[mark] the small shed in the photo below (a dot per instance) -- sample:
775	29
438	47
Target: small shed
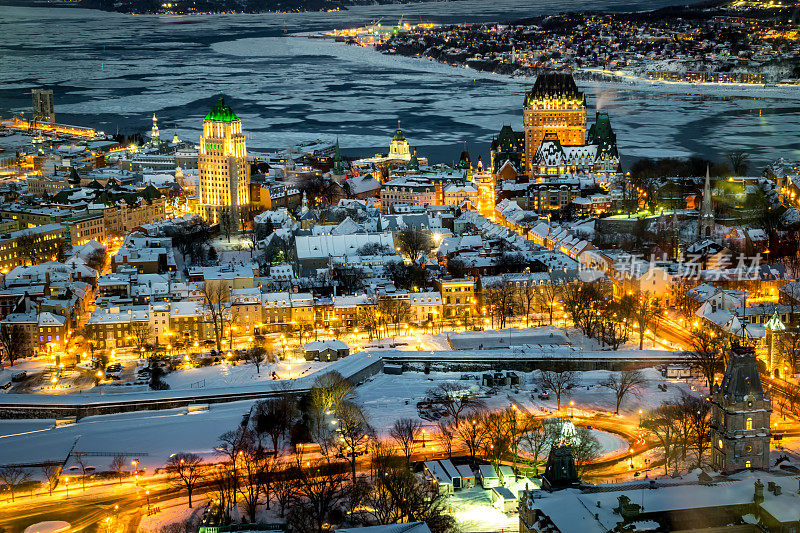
504	499
436	473
331	350
489	477
467	476
506	474
451	472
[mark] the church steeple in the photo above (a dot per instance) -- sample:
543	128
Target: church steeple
706	220
155	136
338	166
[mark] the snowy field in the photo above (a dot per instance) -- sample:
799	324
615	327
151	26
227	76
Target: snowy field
155	433
226	375
385	397
388	398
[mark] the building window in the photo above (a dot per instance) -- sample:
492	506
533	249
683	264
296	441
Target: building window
719	444
747	464
749	423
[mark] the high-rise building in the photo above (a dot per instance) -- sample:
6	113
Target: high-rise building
740	416
224	172
43	105
553	105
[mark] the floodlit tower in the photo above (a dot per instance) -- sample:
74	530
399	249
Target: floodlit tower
224	172
554	105
740	416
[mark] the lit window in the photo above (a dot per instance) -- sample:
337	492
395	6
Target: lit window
749	423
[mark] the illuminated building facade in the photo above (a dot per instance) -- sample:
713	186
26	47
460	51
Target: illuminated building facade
486	193
553	105
43	105
740	416
224	172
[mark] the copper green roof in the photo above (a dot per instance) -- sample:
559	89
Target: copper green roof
398	136
221	112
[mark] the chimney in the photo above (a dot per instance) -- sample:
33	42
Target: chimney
758	494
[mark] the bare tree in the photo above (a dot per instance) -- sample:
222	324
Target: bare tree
256	467
645	310
790	344
223	486
186	470
526	296
471	431
321	491
698	413
500	298
394	311
661	423
214	298
81	460
12	477
353	430
536	440
14	341
142	333
397	495
51	474
227	223
255	356
414	243
547	296
558	380
284	486
622	383
496	438
118	464
454	399
404	431
740	162
585	449
707	354
275	417
229	445
446	434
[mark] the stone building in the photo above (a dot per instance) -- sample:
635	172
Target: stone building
741	408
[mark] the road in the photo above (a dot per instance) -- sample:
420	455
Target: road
88	511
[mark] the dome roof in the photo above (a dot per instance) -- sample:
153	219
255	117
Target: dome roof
221	112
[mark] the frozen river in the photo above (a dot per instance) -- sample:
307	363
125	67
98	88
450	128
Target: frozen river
112	71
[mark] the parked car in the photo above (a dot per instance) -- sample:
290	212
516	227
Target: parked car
19	376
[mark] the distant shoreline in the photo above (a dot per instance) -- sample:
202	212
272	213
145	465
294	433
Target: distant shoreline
789	92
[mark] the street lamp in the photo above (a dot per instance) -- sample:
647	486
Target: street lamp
423	438
571	408
147	494
66	484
